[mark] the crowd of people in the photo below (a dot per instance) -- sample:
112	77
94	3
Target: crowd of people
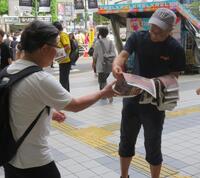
156	53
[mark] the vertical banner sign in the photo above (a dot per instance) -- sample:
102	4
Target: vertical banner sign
91	36
79	6
92	4
44	6
25	5
61	9
68	11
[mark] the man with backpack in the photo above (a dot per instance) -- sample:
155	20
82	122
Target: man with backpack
27	94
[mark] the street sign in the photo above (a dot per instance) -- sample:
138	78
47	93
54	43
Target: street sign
26	20
11	20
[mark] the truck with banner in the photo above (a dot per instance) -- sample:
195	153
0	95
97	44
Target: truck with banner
134	15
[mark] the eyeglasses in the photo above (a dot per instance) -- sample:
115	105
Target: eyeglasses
158	33
161	34
53	45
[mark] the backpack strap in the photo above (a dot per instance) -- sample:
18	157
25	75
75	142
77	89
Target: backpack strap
13	78
104	48
21	139
102	45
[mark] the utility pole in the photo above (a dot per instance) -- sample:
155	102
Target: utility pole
85	10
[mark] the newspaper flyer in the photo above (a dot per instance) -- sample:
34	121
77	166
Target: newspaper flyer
170	82
60	54
130	84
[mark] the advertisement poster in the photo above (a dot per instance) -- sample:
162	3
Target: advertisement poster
44	6
61	8
78	4
138	24
92	4
25	5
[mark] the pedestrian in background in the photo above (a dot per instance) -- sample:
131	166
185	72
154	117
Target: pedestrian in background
5	57
100	64
65	63
31	95
157	53
7	39
74	54
12	46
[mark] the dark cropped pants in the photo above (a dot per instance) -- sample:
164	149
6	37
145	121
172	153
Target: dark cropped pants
134	116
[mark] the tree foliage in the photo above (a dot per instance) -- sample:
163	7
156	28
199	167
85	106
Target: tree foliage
3	7
195	9
99	19
34	7
53	8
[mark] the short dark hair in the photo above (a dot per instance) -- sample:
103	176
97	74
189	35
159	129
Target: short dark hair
2	32
58	25
103	32
36	34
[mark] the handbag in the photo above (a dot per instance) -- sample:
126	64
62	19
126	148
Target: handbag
91	51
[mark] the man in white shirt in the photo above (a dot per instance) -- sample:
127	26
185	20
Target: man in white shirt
29	96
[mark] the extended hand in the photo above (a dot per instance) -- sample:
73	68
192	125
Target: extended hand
107	91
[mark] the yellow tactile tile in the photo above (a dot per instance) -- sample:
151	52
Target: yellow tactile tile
183	111
179	176
96	138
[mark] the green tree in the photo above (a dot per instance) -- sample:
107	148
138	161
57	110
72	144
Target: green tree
195	9
99	19
3	7
54	12
34	7
78	18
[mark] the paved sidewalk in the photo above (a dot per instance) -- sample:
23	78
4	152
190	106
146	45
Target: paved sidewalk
86	144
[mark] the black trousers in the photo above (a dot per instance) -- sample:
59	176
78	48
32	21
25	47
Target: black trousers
135	115
47	171
64	75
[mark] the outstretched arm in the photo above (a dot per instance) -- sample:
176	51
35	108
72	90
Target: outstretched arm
81	103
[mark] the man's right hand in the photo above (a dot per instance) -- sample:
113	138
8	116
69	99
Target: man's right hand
118	64
117	71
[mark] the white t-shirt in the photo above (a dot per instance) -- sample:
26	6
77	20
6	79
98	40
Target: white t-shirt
28	97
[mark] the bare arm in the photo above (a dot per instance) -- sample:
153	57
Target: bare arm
81	103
